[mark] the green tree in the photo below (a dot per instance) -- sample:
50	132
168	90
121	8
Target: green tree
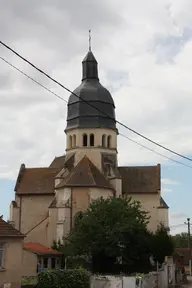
162	244
113	234
181	240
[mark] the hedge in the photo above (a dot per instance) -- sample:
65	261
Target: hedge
69	278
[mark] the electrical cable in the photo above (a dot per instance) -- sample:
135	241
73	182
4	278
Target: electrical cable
37	82
162	155
58	96
67	89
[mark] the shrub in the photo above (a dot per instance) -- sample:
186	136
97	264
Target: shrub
69	278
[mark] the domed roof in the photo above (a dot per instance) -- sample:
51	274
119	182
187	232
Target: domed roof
89	94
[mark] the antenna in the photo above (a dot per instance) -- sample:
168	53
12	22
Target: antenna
89	40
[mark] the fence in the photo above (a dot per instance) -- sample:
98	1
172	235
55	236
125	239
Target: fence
162	279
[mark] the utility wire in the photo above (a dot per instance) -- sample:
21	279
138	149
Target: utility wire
37	82
162	155
67	89
176	225
61	98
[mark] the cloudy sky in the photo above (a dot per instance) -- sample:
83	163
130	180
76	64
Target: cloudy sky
144	54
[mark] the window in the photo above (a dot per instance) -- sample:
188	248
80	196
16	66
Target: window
74	141
53	263
109	141
70	141
45	263
1	255
103	140
108	168
91	140
84	140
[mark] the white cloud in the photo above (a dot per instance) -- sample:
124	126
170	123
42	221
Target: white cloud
164	190
144	59
167	181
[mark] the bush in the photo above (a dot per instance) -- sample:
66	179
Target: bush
69	278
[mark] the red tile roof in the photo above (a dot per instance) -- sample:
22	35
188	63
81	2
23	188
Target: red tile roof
7	230
39	249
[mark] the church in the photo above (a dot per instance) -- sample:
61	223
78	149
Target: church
48	199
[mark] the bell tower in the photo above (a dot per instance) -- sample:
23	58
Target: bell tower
91	125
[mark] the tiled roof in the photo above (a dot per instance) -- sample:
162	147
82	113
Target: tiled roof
65	161
85	174
58	162
163	204
185	253
36	181
53	203
39	249
140	179
7	230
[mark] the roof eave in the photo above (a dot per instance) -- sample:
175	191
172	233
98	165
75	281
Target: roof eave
86	186
12	236
37	193
43	254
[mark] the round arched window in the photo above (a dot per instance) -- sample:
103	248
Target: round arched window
84	140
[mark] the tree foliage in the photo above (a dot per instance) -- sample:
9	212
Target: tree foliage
110	232
162	244
112	235
75	278
181	240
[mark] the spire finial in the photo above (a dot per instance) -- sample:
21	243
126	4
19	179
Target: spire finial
89	40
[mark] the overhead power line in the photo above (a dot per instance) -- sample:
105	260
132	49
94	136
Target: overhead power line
162	155
88	103
29	77
61	98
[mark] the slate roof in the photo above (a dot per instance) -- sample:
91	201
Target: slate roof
85	174
89	94
7	230
39	249
140	179
36	181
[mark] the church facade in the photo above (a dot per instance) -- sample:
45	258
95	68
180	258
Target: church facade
48	199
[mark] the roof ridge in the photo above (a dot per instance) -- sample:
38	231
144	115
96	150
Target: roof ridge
42	168
85	174
74	169
70	174
89	167
138	166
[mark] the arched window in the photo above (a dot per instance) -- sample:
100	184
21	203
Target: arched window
103	140
109	141
84	140
70	141
91	139
74	140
